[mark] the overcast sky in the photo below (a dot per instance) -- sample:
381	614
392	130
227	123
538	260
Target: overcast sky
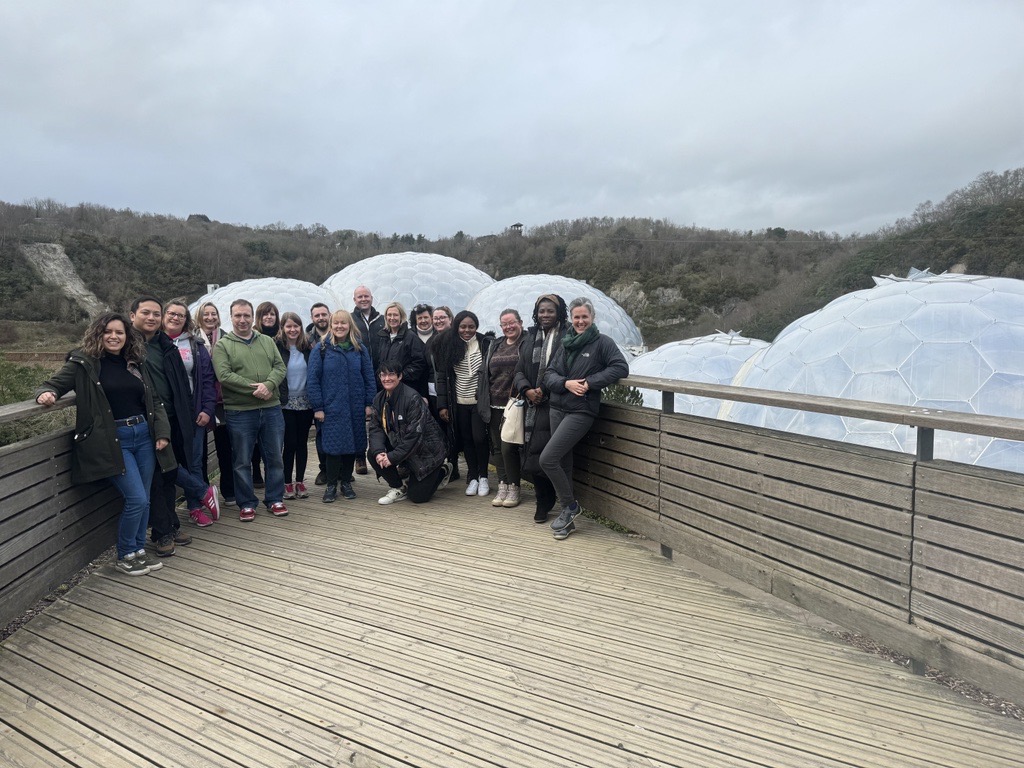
434	117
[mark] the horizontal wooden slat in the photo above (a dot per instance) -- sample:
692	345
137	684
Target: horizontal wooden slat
996	548
984	486
849	531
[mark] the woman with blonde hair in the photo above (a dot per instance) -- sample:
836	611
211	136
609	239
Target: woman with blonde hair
341	386
208	328
584	363
398	345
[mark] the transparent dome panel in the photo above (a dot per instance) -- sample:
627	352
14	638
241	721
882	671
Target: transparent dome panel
288	295
411	278
945	372
521	292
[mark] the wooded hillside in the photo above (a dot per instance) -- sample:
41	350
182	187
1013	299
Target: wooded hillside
676	281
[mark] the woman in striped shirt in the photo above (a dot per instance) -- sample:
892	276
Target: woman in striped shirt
459	354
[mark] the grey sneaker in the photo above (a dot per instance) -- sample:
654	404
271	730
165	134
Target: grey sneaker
143	557
129	565
501	495
565	518
563	533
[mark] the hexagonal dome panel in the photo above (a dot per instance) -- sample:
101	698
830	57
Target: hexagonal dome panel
288	295
410	278
713	359
521	292
947	341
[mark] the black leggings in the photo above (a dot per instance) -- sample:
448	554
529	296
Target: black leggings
338	468
472	433
296	438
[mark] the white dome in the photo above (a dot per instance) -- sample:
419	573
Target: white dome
952	342
288	295
713	359
521	292
410	278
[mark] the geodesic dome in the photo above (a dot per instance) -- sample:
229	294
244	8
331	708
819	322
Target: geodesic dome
953	342
410	278
713	359
521	292
288	295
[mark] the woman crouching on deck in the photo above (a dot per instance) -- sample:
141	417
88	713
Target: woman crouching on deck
405	439
120	430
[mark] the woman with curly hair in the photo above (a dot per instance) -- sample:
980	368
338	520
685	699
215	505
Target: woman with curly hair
550	319
459	355
121	430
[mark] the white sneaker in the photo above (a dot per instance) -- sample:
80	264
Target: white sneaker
483	489
448	468
471	489
395	494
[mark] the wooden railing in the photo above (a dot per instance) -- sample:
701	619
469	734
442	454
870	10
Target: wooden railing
49	528
925	556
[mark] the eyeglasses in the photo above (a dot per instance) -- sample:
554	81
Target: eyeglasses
506	326
175	315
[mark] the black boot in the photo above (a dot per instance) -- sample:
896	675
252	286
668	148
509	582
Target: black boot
331	493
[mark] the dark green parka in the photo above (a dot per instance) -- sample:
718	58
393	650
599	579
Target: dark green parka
96	453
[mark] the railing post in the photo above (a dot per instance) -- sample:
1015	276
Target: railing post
925	443
668	402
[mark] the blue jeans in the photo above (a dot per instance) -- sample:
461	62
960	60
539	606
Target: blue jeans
190	479
139	462
263	426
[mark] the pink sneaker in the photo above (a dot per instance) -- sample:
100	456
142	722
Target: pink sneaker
289	491
278	509
199	517
247	514
300	491
212	503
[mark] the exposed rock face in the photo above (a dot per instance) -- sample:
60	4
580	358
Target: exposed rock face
55	268
630	297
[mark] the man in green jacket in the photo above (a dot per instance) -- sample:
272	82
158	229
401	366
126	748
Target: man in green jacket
250	371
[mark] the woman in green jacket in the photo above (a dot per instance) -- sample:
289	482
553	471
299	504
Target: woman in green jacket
120	430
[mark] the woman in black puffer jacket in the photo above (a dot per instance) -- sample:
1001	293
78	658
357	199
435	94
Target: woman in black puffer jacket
585	363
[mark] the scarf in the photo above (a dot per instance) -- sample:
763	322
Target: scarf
575	342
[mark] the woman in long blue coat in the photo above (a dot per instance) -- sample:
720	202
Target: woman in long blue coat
340	386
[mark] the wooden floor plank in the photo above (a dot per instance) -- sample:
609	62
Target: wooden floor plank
455	634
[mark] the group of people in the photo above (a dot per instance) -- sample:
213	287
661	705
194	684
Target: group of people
400	394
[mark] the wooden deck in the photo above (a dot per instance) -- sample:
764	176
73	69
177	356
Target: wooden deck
454	634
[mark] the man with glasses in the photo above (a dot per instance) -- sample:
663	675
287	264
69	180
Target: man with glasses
250	370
